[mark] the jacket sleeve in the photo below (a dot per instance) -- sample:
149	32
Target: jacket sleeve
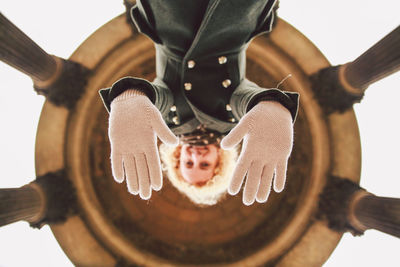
158	93
143	19
267	19
248	94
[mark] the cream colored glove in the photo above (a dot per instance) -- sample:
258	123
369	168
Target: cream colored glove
134	125
267	133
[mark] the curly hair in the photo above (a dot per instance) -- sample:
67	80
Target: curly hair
206	194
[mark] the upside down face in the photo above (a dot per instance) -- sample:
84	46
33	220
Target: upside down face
198	163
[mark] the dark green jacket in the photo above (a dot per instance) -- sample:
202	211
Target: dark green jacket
201	61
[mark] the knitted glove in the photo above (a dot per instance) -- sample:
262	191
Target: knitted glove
134	125
267	133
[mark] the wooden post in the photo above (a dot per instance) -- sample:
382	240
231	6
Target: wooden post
51	198
20	52
24	203
379	61
368	211
348	207
337	88
61	81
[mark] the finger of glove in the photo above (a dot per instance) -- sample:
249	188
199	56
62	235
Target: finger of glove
162	130
252	183
131	174
280	177
235	135
154	165
117	168
239	173
143	176
265	184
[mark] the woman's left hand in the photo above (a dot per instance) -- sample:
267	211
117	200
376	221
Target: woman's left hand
267	133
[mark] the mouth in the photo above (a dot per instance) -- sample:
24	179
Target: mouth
198	149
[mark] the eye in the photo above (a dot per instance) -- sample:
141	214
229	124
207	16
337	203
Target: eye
204	164
189	163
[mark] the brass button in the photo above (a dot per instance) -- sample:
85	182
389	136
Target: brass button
175	120
188	86
173	108
191	64
232	120
222	60
228	107
226	83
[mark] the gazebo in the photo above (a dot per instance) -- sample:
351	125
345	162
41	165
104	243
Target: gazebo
98	223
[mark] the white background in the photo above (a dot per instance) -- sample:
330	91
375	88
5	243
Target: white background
341	29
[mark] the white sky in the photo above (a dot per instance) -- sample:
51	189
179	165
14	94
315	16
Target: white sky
341	29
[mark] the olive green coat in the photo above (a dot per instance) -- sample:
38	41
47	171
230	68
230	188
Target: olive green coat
201	61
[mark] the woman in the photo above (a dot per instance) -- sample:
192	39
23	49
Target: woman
200	66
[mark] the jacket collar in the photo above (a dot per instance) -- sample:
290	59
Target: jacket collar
203	29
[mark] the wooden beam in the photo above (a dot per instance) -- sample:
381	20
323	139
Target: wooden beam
379	61
368	211
24	203
20	52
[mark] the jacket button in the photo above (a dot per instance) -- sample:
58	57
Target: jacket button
188	86
228	107
173	108
232	119
222	60
226	83
191	64
175	120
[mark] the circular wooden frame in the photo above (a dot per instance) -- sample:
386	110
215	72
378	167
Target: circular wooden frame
90	238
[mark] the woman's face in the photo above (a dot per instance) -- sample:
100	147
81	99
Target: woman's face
197	163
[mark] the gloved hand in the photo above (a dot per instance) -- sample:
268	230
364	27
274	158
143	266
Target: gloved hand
134	125
267	131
